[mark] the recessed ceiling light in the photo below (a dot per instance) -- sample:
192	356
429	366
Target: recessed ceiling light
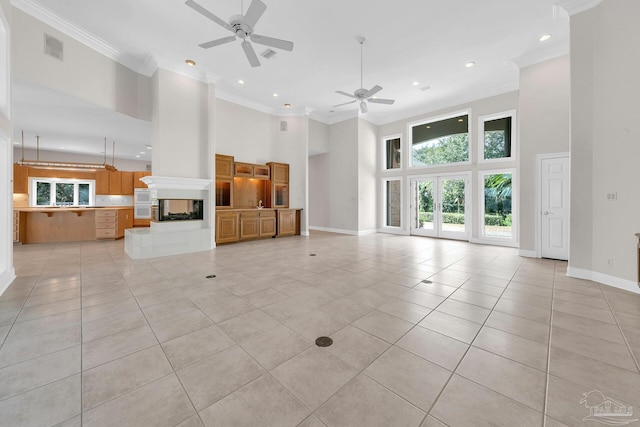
190	62
287	105
16	143
415	83
148	147
240	82
142	152
138	156
470	64
461	120
545	37
428	127
275	95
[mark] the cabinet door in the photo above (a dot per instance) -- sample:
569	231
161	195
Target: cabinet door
115	183
286	222
224	166
127	183
249	227
224	193
261	172
227	227
125	220
20	179
136	179
279	172
243	169
102	182
267	226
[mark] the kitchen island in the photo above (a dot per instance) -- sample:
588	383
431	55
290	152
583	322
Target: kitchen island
70	224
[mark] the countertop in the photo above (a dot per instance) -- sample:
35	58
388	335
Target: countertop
255	209
49	209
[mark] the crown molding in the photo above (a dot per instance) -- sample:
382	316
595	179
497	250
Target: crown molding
573	7
541	55
81	35
231	97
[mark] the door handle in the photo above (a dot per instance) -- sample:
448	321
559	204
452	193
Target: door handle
548	213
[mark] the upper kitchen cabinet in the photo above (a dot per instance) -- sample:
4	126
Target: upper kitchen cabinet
279	172
136	179
224	166
102	182
115	182
20	179
127	183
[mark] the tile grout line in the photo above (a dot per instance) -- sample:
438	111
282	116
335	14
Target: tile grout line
548	370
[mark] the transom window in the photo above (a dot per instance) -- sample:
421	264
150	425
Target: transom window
62	192
440	142
497	136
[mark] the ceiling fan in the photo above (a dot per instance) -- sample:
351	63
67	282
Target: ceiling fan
363	94
242	26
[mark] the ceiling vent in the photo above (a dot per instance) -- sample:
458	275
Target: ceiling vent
268	53
53	47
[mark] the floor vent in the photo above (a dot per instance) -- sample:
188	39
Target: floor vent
53	47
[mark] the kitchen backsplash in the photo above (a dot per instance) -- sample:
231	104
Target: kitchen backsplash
114	200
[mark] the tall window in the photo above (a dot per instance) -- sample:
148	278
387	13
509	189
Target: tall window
61	192
440	142
392	147
497	204
497	137
392	188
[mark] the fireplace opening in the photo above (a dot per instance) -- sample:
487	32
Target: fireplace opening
178	210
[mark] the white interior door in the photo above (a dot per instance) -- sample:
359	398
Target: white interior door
554	207
439	206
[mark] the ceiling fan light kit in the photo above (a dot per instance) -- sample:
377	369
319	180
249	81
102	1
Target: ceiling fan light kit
363	95
242	27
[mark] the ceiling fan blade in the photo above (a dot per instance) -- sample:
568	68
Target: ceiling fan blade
255	11
270	41
381	101
345	103
373	91
195	6
363	107
251	54
217	42
346	94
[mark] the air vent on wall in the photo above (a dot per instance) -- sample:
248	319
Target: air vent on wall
283	126
53	47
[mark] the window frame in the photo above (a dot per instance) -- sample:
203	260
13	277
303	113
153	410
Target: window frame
506	241
409	149
514	145
383	143
33	186
385	201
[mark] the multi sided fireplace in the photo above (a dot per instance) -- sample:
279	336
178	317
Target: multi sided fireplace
178	210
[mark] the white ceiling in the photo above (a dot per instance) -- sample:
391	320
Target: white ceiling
427	41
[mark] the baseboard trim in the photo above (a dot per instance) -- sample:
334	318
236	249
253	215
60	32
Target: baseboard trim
528	254
605	279
333	230
304	233
6	278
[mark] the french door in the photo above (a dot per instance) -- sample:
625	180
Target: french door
440	206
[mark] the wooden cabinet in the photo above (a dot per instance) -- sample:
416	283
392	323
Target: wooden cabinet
102	182
18	226
224	193
261	172
287	222
20	179
243	170
249	225
279	172
224	166
267	223
111	223
136	179
115	182
127	183
227	227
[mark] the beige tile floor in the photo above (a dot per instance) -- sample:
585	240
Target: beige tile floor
91	337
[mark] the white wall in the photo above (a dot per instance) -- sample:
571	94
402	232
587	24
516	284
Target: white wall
84	73
318	137
61	156
604	143
319	200
7	272
367	177
180	123
544	122
343	176
244	133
